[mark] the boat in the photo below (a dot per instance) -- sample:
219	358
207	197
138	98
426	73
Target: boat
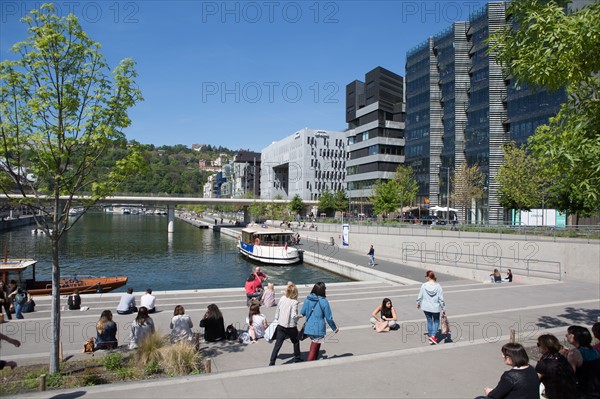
23	272
270	245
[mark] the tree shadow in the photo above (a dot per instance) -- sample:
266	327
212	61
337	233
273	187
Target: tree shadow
214	349
570	316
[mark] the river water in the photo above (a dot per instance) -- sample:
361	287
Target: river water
137	246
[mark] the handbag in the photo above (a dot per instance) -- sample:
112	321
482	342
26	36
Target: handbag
445	323
270	331
88	346
382	326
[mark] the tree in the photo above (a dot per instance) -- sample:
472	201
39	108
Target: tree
407	185
326	202
296	205
521	179
467	186
341	201
548	47
276	210
257	210
386	197
60	115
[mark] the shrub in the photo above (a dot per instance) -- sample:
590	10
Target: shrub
181	358
153	367
54	380
113	361
125	373
149	349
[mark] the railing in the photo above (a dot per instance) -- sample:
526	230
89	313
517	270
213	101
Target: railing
524	267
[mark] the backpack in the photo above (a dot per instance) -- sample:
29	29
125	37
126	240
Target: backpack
231	333
20	298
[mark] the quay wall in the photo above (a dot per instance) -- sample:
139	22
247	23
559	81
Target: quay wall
9	224
467	255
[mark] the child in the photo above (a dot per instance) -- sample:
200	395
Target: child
268	297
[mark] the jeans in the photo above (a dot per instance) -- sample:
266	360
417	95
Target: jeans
281	334
18	310
371	260
433	323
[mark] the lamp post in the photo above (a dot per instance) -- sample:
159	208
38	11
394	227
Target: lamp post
447	193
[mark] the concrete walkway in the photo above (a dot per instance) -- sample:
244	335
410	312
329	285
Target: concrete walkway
356	362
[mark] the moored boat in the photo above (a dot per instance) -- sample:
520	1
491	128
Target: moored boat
23	272
269	245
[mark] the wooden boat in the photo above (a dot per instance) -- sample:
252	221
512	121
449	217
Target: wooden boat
23	272
270	245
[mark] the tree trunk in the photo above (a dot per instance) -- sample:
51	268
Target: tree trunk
55	316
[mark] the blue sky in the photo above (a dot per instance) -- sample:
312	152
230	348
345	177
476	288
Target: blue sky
245	74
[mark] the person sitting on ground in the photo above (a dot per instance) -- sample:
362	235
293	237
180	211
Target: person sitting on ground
142	327
148	301
509	277
387	313
181	325
74	300
262	277
257	323
268	297
554	370
4	300
19	298
521	381
29	305
127	303
253	288
496	277
585	361
213	324
13	341
106	331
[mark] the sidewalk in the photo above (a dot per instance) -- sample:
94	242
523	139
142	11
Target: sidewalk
356	362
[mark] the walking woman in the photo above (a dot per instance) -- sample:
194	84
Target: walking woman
431	300
317	311
287	319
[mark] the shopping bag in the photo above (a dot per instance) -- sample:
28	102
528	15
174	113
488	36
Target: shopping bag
270	331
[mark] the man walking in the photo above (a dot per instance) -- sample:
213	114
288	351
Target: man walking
371	254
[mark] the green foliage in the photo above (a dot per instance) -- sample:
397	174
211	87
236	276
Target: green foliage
54	380
386	197
341	201
296	205
149	349
467	185
522	179
407	185
257	210
125	373
153	367
327	203
554	49
113	361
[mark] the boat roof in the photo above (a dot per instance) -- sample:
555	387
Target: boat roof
16	264
258	230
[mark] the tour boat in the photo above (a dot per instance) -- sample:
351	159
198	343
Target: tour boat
270	245
23	271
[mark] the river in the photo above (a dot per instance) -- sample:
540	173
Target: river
139	247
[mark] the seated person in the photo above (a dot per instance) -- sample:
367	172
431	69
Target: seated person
181	325
268	297
106	328
509	277
127	303
257	323
74	300
387	313
29	305
213	324
142	327
253	288
496	277
148	301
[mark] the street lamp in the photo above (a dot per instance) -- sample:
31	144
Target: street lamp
447	193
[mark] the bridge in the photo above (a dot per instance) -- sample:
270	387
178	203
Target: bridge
169	202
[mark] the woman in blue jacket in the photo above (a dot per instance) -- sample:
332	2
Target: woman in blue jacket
316	310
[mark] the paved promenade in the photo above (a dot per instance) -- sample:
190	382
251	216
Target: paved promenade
356	362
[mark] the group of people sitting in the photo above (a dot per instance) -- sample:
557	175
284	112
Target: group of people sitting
255	291
564	373
15	299
496	277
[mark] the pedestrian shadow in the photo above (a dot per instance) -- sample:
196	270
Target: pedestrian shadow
348	354
70	395
569	317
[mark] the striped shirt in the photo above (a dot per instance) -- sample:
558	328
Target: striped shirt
287	312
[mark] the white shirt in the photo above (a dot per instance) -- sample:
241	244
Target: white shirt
258	322
181	326
147	300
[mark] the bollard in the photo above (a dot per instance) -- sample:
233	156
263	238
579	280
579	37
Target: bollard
512	336
60	351
197	341
42	386
207	366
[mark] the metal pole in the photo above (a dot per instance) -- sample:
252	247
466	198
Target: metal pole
448	197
